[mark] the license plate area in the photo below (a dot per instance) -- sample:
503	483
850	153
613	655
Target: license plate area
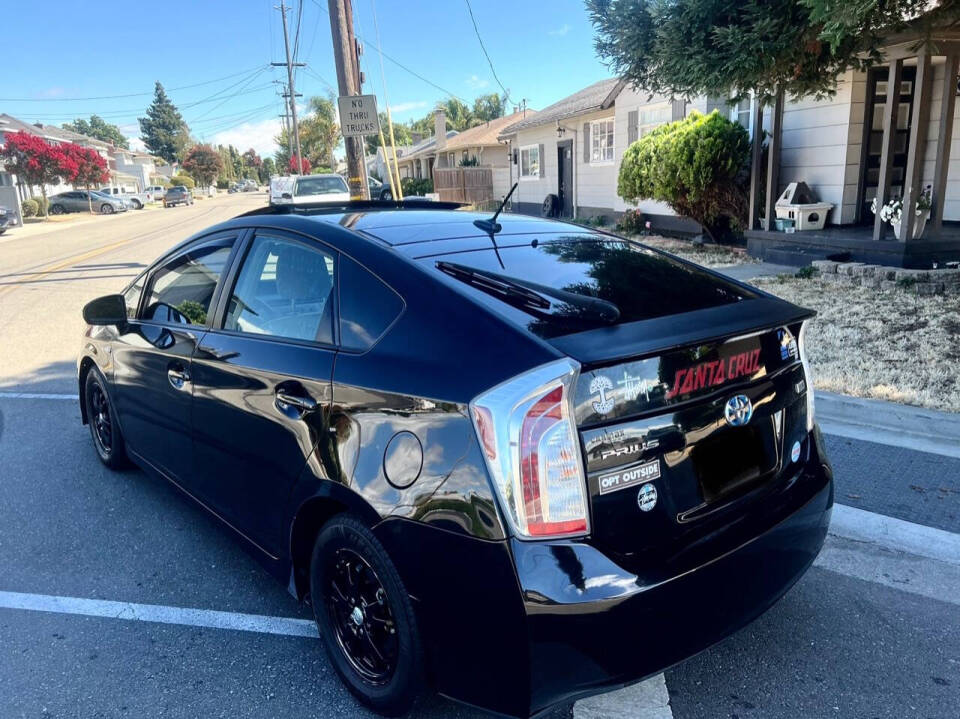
733	460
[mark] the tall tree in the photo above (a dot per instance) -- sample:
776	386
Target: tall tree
204	164
99	129
319	134
35	161
251	164
685	48
267	170
226	173
163	130
401	134
489	107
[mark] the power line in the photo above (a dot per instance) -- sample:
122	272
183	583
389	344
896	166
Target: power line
485	53
133	94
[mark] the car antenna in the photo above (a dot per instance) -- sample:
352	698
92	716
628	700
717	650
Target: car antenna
491	226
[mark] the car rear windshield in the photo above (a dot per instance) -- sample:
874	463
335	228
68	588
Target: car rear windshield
320	186
560	287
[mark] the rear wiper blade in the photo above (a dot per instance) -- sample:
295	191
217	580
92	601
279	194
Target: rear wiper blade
537	299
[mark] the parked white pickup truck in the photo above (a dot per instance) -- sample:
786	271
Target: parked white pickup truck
136	199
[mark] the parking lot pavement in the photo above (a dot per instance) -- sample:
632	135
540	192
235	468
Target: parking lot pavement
133	602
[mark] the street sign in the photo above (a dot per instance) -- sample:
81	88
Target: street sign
358	115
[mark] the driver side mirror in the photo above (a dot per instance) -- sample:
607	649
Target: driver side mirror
106	310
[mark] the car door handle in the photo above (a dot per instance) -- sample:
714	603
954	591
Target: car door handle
299	402
178	377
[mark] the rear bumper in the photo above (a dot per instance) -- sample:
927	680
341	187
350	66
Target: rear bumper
550	622
594	626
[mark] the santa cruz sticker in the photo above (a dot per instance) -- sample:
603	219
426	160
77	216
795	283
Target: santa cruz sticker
629	477
647	497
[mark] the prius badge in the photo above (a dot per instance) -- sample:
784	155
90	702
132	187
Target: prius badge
738	410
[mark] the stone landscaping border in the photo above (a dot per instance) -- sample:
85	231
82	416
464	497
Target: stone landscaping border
921	282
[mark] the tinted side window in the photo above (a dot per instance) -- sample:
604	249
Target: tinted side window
367	307
284	289
181	290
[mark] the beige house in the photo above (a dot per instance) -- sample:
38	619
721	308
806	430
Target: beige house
566	158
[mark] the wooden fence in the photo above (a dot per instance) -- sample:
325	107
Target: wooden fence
472	185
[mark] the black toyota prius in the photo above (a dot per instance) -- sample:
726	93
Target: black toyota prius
513	461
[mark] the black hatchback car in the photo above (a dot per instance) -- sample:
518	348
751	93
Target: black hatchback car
515	463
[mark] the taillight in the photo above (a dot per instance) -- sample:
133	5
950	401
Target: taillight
807	374
526	430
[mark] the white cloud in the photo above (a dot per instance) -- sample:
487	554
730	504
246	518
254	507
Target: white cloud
477	83
560	31
402	107
258	135
51	92
137	144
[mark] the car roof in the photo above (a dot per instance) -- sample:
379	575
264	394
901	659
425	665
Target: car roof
415	229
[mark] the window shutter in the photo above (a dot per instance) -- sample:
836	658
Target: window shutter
540	150
679	109
633	118
586	142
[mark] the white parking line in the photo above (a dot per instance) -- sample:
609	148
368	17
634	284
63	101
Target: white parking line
37	395
157	613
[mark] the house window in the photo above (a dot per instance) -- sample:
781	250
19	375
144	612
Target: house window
743	112
601	141
530	161
653	117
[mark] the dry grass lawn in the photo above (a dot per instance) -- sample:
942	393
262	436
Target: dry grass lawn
706	255
884	345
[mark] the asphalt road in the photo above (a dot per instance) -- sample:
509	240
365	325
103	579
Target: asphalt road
863	634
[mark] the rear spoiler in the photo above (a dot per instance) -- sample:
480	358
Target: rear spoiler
662	334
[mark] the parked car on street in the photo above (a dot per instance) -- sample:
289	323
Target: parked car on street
6	219
515	472
136	200
155	193
309	189
280	185
82	201
379	190
177	195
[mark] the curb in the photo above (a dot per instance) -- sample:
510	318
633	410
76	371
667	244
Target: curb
894	534
873	420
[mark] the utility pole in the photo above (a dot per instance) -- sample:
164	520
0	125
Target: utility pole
293	95
345	52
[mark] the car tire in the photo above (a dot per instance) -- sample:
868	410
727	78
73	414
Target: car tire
57	210
102	420
137	205
384	629
106	209
386	195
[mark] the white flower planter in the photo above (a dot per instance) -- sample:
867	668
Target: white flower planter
918	226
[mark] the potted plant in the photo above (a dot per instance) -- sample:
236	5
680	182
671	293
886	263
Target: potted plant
892	212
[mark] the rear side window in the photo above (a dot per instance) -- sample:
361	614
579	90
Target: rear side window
574	285
284	289
367	307
181	290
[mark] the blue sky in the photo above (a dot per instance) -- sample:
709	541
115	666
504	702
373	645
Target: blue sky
62	49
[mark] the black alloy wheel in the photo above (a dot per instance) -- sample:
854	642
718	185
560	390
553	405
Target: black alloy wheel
106	209
365	617
107	438
57	210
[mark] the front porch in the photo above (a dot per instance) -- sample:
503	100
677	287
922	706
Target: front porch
888	145
854	243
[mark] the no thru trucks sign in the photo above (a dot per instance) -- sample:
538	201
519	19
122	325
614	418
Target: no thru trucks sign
358	115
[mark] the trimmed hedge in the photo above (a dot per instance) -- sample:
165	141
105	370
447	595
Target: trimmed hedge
184	180
697	165
29	208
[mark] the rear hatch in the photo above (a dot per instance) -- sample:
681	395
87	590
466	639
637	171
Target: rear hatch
690	383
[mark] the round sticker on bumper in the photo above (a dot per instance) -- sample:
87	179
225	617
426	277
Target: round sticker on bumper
795	452
647	497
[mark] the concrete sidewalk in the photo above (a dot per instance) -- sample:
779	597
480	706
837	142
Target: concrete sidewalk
898	425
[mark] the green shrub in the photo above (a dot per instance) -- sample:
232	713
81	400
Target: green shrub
805	273
29	208
414	186
184	180
697	165
223	184
631	223
43	206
